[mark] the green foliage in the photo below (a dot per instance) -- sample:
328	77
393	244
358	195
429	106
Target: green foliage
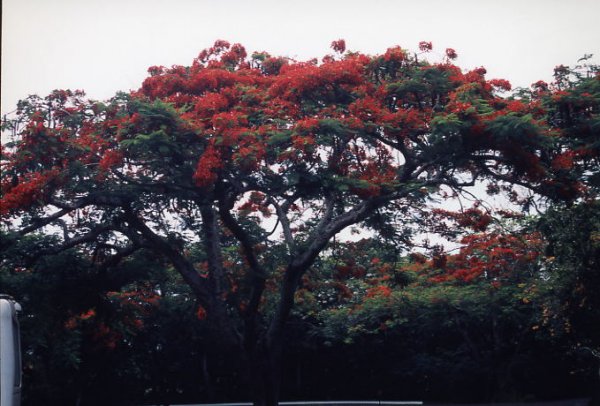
572	269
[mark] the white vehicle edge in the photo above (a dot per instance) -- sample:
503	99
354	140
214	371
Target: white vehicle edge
10	353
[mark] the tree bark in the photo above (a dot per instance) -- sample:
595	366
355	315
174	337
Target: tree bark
210	393
264	371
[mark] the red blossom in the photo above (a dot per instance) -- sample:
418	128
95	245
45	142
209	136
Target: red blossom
307	126
156	70
110	159
328	59
272	66
209	163
462	108
540	85
235	56
425	46
339	46
379	291
501	84
395	54
201	313
516	106
210	104
218	47
301	79
491	256
29	189
472	218
564	161
366	109
451	53
87	315
106	336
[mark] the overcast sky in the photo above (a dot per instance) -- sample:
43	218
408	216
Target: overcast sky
102	46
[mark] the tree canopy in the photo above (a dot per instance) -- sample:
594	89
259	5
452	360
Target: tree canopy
264	160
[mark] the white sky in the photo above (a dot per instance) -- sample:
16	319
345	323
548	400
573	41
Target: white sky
102	46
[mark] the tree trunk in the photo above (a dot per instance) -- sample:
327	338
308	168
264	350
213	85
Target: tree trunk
264	371
210	393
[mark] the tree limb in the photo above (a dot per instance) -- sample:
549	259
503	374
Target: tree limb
198	284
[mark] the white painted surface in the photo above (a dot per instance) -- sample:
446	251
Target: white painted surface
10	374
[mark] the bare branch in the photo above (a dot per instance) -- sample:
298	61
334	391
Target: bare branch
120	255
182	264
91	236
243	237
281	212
40	222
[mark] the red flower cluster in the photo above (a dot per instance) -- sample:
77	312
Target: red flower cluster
28	189
425	46
451	53
206	170
472	218
490	256
501	84
379	291
300	80
218	48
339	46
201	313
564	161
395	54
110	159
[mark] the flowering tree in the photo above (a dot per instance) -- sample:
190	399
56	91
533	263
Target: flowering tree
240	148
456	319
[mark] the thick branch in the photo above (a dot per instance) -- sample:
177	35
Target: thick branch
302	262
67	207
217	306
243	237
40	222
258	273
514	181
327	215
212	244
285	225
183	266
97	198
91	236
160	186
119	256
